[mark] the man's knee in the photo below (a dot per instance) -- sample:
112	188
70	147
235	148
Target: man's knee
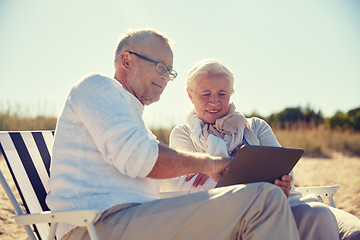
270	194
269	189
259	187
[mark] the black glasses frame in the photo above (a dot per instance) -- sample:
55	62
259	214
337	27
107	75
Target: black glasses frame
159	66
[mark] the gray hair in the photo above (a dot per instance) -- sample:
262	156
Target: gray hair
132	38
208	66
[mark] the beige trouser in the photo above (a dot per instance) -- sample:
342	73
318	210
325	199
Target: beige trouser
315	221
349	225
252	211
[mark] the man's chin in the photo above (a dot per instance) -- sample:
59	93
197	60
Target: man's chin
150	101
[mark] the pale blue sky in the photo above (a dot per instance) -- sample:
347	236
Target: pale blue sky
283	53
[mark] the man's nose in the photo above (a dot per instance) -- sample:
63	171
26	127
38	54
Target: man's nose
166	76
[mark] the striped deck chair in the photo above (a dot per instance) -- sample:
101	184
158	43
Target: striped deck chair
27	155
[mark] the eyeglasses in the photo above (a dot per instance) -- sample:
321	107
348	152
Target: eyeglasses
159	66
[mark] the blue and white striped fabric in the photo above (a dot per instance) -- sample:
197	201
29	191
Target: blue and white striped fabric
27	154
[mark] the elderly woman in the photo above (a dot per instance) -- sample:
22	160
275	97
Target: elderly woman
215	127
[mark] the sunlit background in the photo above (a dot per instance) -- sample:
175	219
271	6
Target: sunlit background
283	53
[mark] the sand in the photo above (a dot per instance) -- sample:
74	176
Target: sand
338	170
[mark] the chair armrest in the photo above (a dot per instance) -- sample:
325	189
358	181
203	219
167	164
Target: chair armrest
323	191
75	217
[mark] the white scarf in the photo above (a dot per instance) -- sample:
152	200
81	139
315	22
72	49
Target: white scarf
223	137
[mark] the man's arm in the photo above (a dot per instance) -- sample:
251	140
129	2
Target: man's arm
172	163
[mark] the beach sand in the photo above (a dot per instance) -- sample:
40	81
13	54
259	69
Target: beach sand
337	170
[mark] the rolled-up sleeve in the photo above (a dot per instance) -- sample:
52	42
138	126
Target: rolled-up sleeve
131	151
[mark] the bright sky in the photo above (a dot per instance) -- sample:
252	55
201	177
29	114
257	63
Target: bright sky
283	53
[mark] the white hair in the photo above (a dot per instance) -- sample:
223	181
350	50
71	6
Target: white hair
208	66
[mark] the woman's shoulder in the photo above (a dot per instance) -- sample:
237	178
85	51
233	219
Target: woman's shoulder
258	125
256	121
180	137
180	129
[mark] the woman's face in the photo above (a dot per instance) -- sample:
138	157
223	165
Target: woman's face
211	96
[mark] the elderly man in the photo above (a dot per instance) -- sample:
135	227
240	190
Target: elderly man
104	157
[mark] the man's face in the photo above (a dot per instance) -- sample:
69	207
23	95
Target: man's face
210	96
144	81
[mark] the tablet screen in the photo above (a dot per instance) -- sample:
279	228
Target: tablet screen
260	164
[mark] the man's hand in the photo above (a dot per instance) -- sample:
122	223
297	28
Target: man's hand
284	184
219	165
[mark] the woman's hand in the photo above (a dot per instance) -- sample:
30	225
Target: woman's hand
284	184
200	179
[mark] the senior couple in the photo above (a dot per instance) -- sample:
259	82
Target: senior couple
104	157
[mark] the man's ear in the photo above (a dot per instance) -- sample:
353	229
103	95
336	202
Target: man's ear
125	60
189	94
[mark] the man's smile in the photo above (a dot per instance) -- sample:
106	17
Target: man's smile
157	85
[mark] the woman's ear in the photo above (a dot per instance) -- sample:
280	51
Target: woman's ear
189	94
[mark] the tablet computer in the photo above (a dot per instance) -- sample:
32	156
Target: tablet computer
260	164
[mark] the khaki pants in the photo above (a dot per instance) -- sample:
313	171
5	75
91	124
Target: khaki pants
315	221
252	211
349	225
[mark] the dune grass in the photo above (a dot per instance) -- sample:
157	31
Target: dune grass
319	141
12	122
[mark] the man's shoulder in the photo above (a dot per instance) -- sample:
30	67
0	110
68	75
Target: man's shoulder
95	77
95	81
